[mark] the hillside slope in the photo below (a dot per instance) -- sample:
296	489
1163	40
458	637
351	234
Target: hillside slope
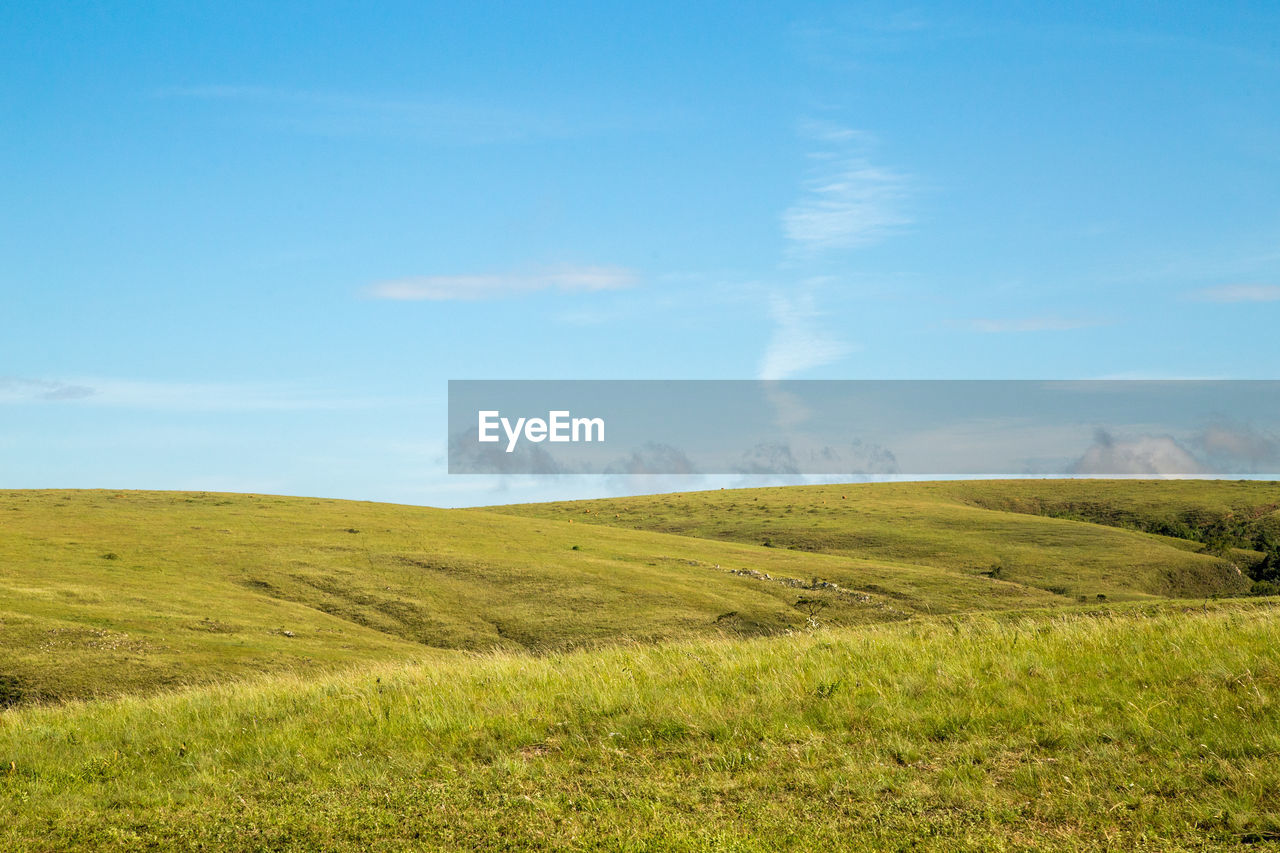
104	592
963	528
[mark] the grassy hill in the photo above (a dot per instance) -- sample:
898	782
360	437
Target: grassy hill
106	593
1067	537
1134	727
951	666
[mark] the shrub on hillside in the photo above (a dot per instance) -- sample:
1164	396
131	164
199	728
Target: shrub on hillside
10	691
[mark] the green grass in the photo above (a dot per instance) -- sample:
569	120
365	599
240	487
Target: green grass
952	666
103	593
1242	512
972	528
1138	727
107	593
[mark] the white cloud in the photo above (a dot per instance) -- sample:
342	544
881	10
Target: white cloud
440	288
1240	293
847	200
1146	455
1238	443
176	396
798	344
1032	324
17	390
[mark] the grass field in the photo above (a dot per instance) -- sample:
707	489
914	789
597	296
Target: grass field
107	593
1140	727
1068	537
958	665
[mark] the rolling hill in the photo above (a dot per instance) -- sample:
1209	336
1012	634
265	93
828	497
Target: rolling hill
952	666
105	593
1071	538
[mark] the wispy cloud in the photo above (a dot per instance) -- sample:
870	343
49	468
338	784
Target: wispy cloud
441	288
798	343
17	390
1032	324
1238	443
1239	293
176	396
782	458
847	201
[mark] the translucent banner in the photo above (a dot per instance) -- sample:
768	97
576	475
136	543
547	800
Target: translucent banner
866	428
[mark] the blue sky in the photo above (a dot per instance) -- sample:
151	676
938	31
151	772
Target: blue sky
244	249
